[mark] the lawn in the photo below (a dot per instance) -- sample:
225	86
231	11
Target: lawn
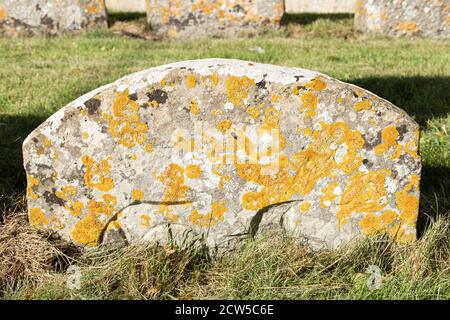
40	75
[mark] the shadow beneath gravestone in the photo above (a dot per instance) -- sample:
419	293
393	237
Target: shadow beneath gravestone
423	98
114	17
308	18
434	196
13	131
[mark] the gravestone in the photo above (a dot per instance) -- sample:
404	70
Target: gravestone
50	16
427	18
222	149
185	19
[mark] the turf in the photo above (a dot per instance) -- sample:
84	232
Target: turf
40	75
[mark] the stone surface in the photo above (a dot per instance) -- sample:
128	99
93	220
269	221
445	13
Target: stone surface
126	6
223	149
320	6
221	18
428	18
50	16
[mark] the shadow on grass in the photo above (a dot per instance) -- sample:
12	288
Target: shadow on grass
308	18
423	98
114	17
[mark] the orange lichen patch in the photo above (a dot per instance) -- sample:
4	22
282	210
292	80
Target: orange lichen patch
2	13
408	26
389	136
211	219
328	194
145	220
174	188
217	112
364	194
134	157
148	147
398	233
137	195
75	208
56	223
87	231
298	176
408	205
316	84
309	103
224	125
360	8
37	217
304	206
413	183
31	182
237	89
193	171
363	105
96	7
47	142
97	174
124	124
194	107
191	81
372	224
66	193
106	207
254	111
172	33
85	135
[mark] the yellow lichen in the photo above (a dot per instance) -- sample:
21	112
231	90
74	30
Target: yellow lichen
193	171
66	193
254	111
304	206
389	136
148	147
237	89
328	194
191	81
75	208
37	217
145	220
31	182
316	84
408	26
211	219
195	110
174	189
125	124
224	125
309	103
137	195
97	174
364	104
87	230
364	193
2	13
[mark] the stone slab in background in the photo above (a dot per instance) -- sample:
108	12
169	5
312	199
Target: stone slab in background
50	16
222	18
126	6
221	149
428	18
320	6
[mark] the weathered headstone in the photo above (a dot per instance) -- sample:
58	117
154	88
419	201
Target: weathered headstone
50	16
428	18
224	18
220	149
320	6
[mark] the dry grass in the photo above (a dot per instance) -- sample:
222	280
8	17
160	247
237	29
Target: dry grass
28	256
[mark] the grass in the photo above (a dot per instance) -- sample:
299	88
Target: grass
40	75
